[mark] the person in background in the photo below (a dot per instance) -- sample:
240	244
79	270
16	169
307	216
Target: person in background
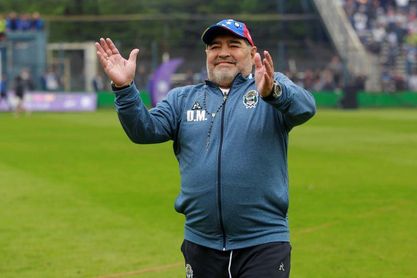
23	83
230	137
50	80
12	22
98	84
19	91
25	22
3	91
37	24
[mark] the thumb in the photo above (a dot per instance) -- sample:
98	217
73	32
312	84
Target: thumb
133	55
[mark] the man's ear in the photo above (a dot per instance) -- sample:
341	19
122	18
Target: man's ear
253	52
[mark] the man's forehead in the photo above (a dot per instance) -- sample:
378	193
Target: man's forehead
227	38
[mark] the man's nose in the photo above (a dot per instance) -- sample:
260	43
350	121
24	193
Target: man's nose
224	52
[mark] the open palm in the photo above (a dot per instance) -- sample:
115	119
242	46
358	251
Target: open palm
120	70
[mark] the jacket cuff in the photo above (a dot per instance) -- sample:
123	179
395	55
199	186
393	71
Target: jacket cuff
117	89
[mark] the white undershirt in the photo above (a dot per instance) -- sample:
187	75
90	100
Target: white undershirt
225	91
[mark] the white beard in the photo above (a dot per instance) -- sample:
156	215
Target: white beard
222	77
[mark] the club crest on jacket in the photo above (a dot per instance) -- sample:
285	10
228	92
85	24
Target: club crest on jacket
250	99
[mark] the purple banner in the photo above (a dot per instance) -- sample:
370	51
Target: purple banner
160	82
57	102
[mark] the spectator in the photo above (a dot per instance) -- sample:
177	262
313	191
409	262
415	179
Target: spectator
19	91
336	68
360	21
308	80
98	84
411	59
378	36
12	22
326	81
25	23
387	81
50	80
37	23
412	81
27	79
400	82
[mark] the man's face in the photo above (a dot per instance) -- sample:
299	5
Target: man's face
227	56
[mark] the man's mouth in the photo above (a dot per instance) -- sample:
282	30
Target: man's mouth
225	63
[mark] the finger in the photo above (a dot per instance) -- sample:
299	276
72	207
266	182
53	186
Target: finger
133	55
112	47
268	80
102	43
101	54
258	62
103	60
269	58
269	63
268	84
268	67
106	48
99	48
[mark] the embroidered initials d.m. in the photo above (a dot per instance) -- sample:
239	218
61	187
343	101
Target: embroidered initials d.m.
196	116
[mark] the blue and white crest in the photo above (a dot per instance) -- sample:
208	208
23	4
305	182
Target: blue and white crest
251	98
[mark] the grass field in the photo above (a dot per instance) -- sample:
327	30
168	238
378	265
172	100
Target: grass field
77	199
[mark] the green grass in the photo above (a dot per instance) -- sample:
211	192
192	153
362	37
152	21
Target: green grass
77	199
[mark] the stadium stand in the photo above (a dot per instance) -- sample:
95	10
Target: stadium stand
388	29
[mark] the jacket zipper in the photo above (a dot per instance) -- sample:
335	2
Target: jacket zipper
219	194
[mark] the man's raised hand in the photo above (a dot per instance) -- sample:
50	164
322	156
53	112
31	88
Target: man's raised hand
117	68
264	73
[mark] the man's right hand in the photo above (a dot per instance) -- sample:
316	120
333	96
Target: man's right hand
117	68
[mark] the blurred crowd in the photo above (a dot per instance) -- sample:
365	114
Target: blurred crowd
22	22
388	28
330	78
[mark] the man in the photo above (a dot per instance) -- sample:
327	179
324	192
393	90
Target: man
230	138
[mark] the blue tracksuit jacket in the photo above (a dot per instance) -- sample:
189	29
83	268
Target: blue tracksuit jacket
234	179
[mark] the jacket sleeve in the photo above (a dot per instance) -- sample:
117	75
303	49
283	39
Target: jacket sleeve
145	126
296	104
